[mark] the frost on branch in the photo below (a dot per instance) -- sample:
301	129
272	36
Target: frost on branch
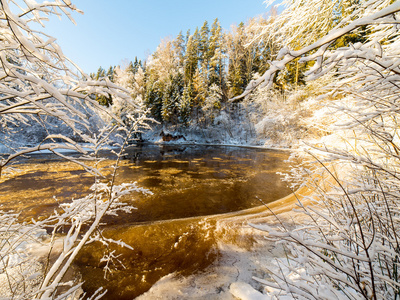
22	244
347	246
382	23
42	88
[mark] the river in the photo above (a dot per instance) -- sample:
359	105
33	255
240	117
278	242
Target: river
172	230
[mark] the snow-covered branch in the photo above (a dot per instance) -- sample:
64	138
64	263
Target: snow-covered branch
285	56
37	80
40	86
347	246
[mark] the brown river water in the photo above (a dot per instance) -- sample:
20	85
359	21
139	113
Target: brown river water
173	230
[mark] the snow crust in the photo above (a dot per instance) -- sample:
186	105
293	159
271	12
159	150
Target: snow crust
245	291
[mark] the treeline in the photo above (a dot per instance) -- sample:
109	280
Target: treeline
191	77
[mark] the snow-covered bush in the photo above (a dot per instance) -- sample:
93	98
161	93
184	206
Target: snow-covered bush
349	247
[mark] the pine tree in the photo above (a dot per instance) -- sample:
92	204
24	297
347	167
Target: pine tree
212	104
200	85
131	68
101	73
179	50
105	100
110	73
154	98
136	65
172	99
185	105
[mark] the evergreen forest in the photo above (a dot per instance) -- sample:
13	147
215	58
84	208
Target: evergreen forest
190	78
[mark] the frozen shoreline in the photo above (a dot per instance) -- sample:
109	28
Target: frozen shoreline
244	253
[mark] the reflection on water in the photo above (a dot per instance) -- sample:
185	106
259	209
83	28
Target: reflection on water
187	181
160	248
200	181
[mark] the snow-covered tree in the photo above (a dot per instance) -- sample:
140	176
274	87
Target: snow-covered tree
125	77
212	103
37	85
179	49
242	58
203	46
139	89
191	56
217	56
350	247
162	63
172	98
185	105
37	80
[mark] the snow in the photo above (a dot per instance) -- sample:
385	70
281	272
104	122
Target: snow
264	121
245	291
243	254
18	261
268	120
238	263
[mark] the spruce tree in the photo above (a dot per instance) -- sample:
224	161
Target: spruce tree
191	57
154	98
136	65
101	73
105	100
237	62
203	45
216	53
131	68
185	105
110	73
179	50
172	99
200	84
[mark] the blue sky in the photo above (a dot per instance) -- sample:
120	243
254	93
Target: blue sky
113	31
